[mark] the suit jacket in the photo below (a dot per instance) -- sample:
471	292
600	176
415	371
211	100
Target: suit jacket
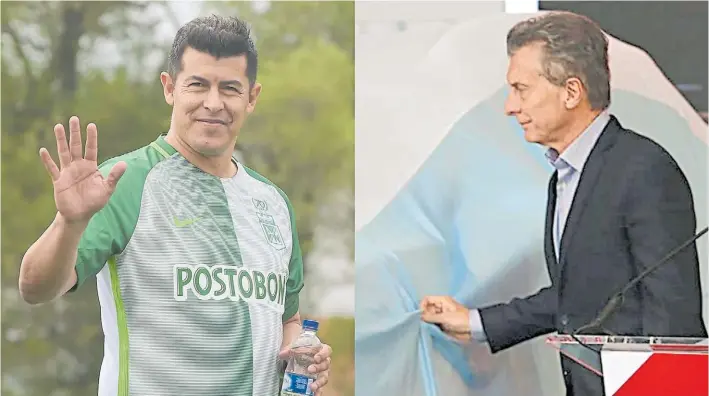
632	206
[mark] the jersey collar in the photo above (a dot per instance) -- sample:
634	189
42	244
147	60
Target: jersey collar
164	145
166	149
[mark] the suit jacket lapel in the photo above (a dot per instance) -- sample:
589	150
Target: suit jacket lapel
549	227
589	175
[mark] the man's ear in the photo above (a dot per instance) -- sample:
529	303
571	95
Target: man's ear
253	97
574	91
168	88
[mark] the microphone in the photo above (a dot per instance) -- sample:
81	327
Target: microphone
617	300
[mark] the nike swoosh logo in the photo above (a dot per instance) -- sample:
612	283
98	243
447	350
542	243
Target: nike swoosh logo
183	223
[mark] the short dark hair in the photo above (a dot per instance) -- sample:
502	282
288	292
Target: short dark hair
218	36
574	46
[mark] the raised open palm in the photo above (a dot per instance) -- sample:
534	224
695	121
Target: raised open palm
79	188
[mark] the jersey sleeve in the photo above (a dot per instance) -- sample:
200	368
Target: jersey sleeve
109	230
295	270
95	247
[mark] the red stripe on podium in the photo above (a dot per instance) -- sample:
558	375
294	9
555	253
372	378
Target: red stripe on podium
669	374
681	348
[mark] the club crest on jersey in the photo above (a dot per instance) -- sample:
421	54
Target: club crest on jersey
268	224
260	205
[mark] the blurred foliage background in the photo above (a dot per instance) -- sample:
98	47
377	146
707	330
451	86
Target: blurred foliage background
101	61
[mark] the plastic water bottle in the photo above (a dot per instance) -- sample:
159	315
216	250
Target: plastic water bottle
297	379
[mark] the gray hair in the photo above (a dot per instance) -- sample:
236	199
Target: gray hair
574	46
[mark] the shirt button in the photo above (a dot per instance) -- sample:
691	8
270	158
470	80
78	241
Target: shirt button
566	373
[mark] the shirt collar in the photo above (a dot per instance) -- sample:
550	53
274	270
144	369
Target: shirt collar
163	144
578	151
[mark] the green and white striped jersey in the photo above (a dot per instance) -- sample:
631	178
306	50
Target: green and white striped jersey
195	275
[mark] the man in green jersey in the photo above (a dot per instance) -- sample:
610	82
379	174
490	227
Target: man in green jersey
196	256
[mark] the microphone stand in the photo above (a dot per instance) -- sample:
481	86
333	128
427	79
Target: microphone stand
618	298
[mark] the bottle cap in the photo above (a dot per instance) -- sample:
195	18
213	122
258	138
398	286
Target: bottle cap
310	324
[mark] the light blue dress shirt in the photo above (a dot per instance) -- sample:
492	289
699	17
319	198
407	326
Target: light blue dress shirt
569	165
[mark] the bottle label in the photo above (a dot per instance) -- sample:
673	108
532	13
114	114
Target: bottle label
296	384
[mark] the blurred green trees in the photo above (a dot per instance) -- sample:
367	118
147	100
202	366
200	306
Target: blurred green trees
101	61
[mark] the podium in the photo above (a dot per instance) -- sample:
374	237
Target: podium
641	366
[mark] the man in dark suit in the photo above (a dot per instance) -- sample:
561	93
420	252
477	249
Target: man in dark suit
617	203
